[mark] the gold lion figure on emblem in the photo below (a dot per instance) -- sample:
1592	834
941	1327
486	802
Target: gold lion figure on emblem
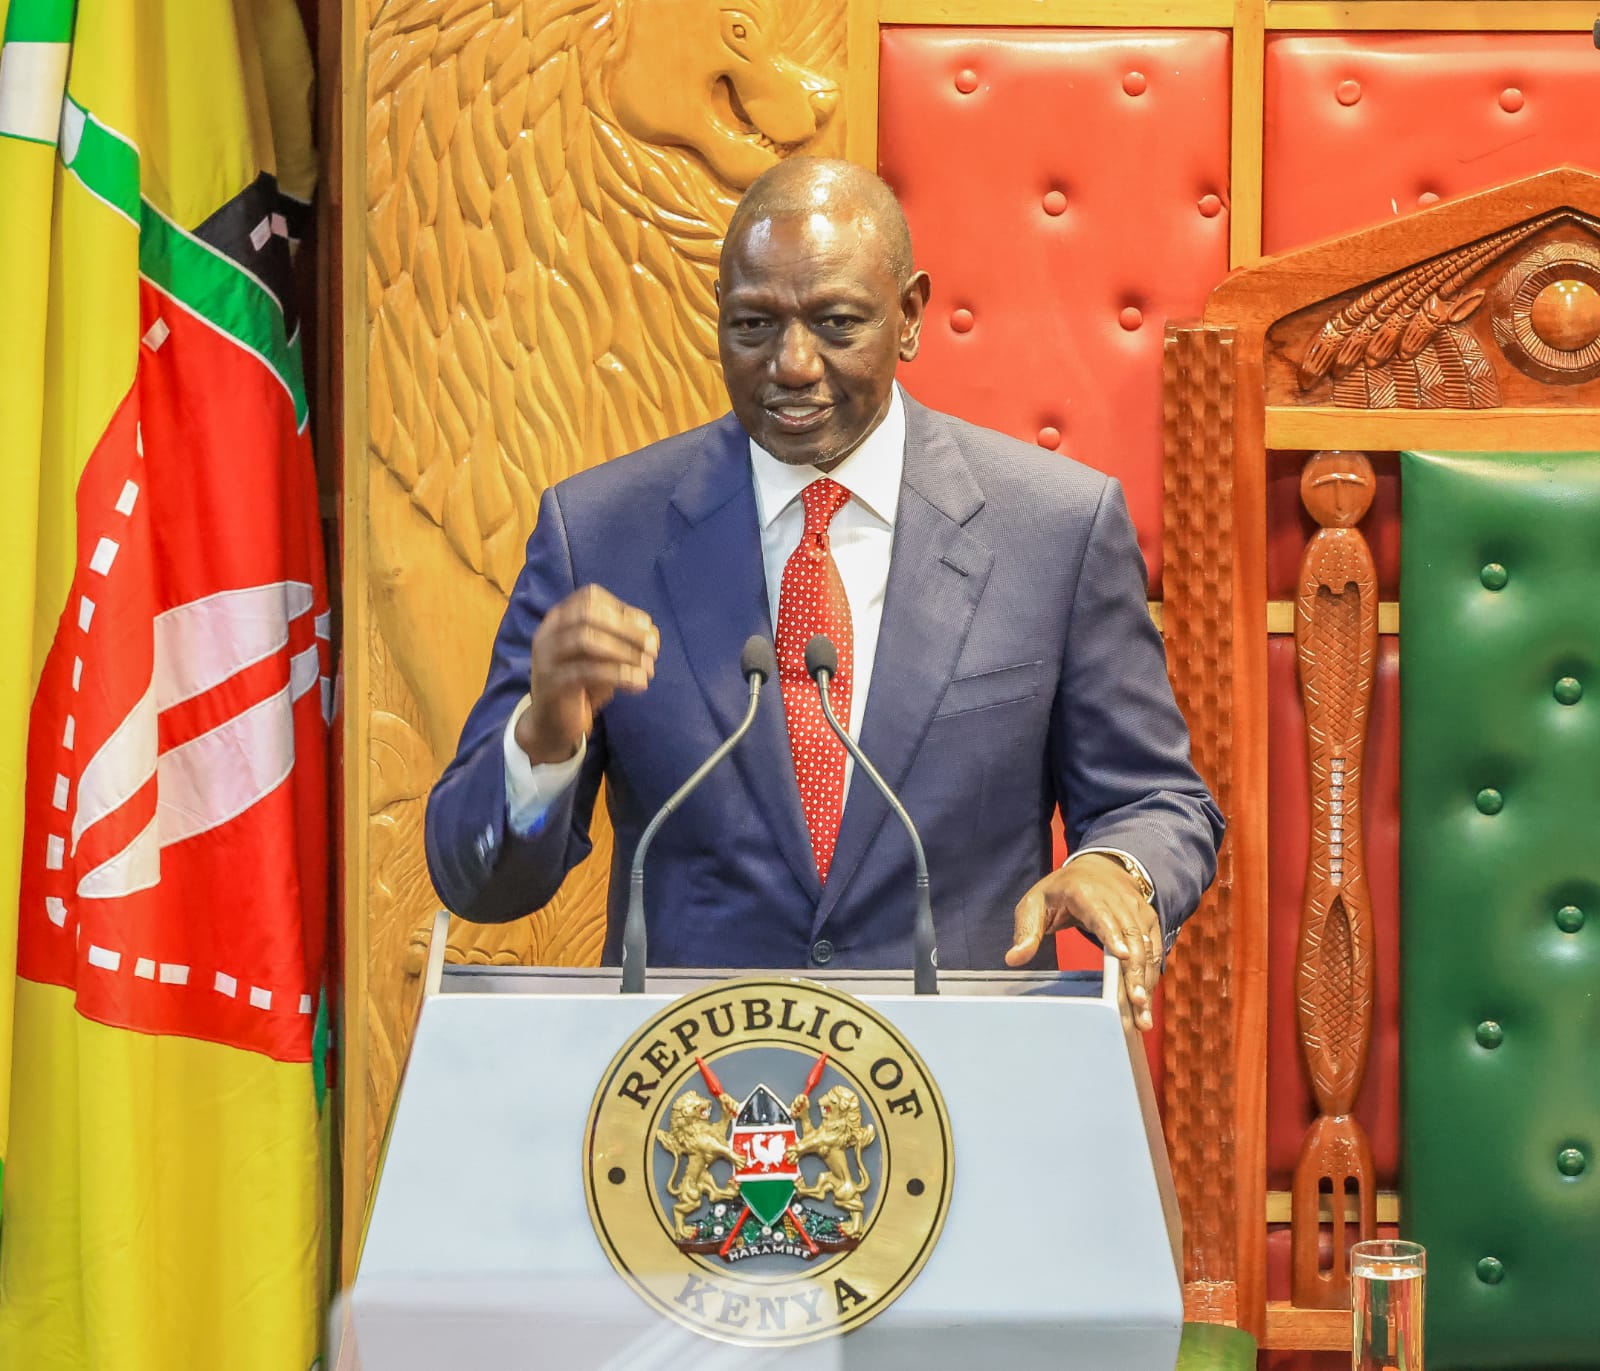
693	1141
840	1133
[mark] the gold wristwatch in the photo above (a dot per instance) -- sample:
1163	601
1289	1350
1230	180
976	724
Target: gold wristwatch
1147	892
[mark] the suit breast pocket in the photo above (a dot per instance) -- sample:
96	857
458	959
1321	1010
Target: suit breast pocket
1004	685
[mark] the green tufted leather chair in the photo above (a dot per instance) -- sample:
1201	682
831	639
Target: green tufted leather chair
1500	892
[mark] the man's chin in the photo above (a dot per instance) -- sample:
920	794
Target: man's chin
795	450
822	448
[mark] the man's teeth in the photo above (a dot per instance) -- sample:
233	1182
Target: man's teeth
797	411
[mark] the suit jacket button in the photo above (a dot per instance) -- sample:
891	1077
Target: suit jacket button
821	952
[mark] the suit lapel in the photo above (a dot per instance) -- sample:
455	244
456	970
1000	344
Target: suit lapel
716	585
937	572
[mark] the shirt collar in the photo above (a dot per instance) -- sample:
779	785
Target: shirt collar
871	473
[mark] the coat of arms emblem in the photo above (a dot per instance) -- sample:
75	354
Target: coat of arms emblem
768	1162
762	1209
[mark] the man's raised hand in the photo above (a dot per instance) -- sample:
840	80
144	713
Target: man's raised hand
589	647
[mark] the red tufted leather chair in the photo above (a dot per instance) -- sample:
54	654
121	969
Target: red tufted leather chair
1361	128
1053	270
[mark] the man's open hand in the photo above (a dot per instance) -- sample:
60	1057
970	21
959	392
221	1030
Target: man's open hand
588	647
1098	895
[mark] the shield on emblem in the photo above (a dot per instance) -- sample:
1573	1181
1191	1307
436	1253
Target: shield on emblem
763	1132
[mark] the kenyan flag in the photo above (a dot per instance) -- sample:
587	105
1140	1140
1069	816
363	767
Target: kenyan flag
164	743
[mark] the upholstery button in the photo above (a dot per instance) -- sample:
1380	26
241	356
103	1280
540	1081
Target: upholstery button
822	952
1494	576
1134	83
966	81
1055	203
1428	197
1569	918
1347	92
1511	99
1570	1161
1491	1270
961	320
1569	690
1210	206
1050	437
1130	318
1490	800
1489	1034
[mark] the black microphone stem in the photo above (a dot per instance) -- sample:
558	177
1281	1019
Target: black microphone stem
923	966
633	932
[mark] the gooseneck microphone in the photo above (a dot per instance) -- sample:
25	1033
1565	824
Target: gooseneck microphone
757	663
822	662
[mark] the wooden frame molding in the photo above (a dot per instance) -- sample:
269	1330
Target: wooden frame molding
1213	1036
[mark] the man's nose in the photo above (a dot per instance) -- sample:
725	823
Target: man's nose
797	362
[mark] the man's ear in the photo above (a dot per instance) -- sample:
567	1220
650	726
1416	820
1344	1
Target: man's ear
913	305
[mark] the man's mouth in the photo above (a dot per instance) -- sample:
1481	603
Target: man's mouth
798	418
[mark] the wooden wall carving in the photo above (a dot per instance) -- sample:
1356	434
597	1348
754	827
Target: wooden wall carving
548	183
1336	644
1416	339
1197	989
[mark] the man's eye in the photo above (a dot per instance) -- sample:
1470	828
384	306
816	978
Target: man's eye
840	322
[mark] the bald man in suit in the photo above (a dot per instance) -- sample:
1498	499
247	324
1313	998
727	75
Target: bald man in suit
999	657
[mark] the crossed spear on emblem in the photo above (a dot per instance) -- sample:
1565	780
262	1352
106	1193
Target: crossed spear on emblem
718	1093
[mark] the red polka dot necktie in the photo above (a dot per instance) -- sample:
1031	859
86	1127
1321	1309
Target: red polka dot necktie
812	601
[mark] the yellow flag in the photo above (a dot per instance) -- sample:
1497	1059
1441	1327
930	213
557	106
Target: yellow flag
33	73
164	664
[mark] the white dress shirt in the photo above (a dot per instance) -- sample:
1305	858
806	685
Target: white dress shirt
861	537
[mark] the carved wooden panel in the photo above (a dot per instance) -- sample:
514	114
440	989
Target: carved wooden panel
1336	642
1198	994
1495	322
548	183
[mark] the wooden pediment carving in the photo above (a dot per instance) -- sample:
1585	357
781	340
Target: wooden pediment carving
1497	321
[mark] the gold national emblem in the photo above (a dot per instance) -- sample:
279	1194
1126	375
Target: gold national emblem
768	1162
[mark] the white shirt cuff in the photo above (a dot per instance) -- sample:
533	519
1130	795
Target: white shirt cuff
530	789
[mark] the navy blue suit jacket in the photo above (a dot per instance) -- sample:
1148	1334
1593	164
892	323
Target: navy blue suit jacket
1016	669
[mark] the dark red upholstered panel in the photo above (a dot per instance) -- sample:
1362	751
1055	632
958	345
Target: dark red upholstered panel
1362	128
1289	527
1278	1288
1304	1361
1067	191
1290	1107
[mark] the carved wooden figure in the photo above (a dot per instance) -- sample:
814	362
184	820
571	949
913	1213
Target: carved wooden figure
1336	642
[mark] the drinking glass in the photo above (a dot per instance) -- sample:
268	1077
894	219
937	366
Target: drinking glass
1386	1287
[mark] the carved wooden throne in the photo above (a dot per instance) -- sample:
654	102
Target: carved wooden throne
1471	326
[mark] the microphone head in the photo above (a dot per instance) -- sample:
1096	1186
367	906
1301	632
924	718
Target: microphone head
758	659
822	655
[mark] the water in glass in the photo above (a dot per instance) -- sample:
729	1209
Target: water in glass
1386	1294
